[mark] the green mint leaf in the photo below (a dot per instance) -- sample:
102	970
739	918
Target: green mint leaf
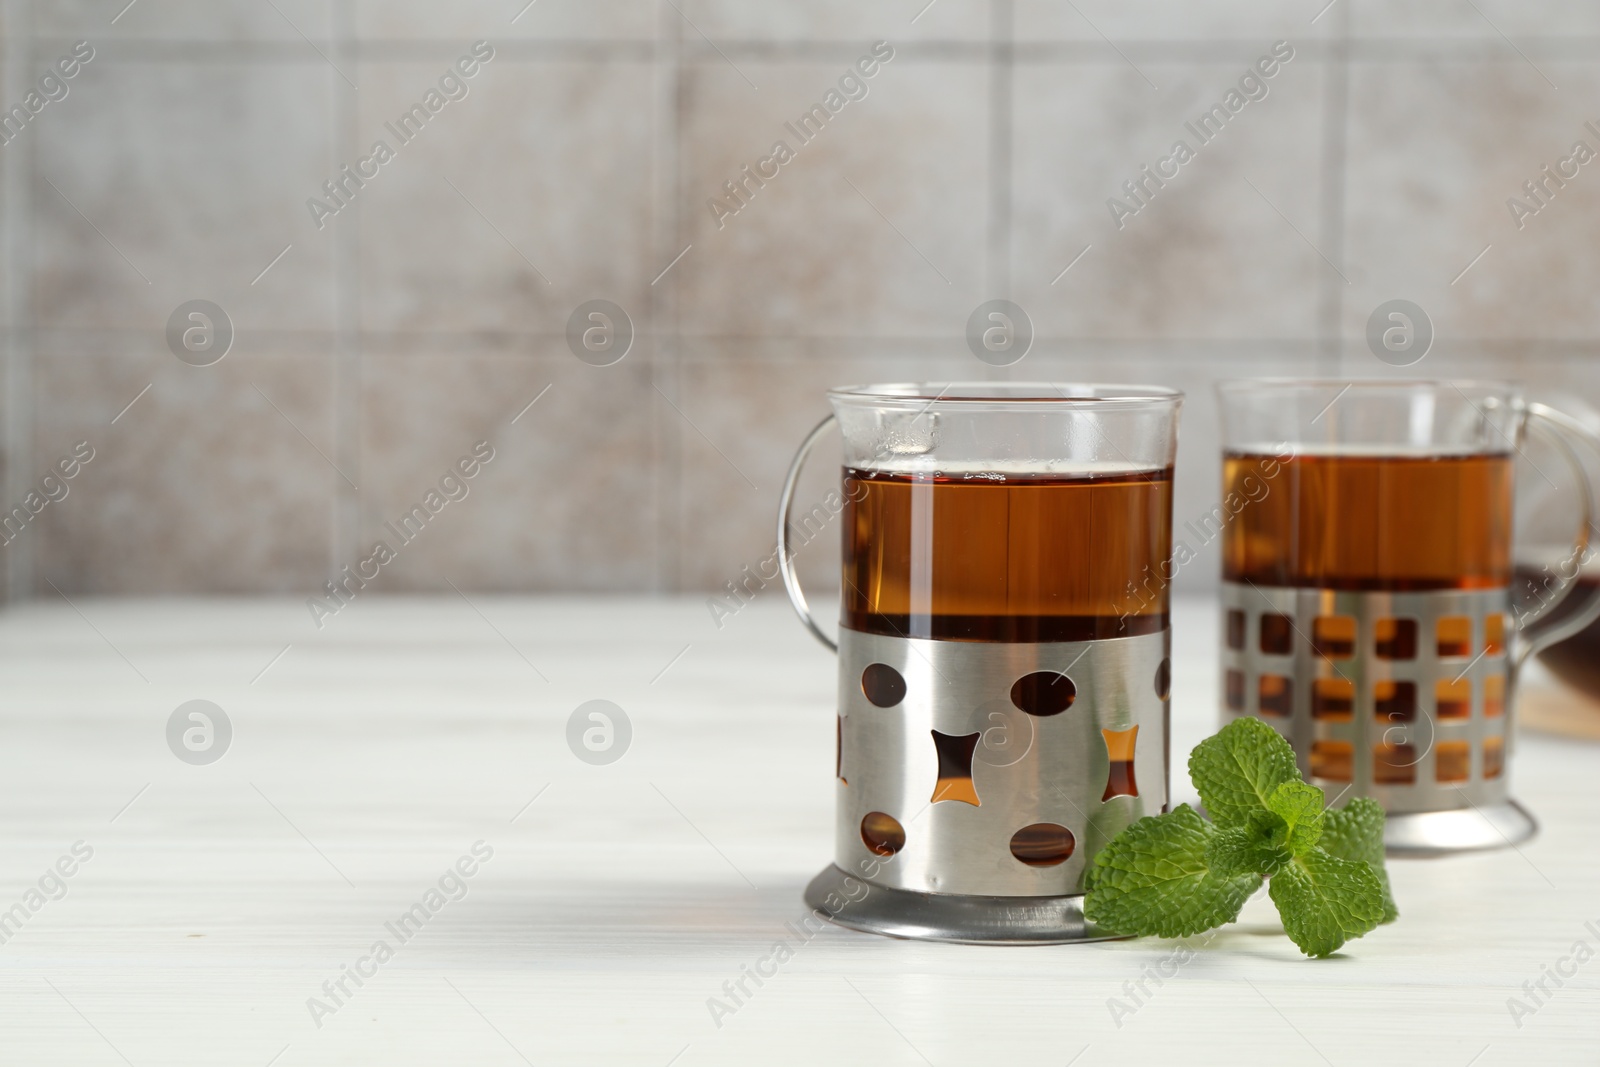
1154	879
1355	832
1257	848
1238	769
1300	806
1325	901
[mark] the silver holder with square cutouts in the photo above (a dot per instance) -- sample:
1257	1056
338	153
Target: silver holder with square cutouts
1402	697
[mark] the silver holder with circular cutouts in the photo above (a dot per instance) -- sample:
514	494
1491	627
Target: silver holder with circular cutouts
1402	697
962	815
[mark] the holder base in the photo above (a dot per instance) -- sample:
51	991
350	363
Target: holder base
970	920
1440	833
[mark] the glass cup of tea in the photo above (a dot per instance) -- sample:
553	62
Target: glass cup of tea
1003	649
1367	593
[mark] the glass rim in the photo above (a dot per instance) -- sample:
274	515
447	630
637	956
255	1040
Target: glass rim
1247	401
1022	395
1274	384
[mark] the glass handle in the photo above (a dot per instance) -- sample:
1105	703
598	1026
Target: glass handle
791	581
1564	432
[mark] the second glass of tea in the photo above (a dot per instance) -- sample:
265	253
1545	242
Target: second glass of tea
1367	589
1003	649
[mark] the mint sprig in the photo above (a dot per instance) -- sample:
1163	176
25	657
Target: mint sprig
1160	879
1355	832
1176	875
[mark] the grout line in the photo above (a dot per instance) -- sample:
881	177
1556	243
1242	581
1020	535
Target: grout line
18	174
1002	74
338	39
1113	46
346	375
1064	52
445	345
671	232
714	46
721	350
1331	214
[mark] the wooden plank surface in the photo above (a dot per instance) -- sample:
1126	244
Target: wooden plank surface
372	755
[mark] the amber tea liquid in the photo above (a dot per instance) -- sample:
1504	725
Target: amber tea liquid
1370	522
1006	557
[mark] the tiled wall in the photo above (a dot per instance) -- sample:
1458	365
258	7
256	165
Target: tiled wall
427	314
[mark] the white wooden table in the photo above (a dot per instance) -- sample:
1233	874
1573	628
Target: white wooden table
372	755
